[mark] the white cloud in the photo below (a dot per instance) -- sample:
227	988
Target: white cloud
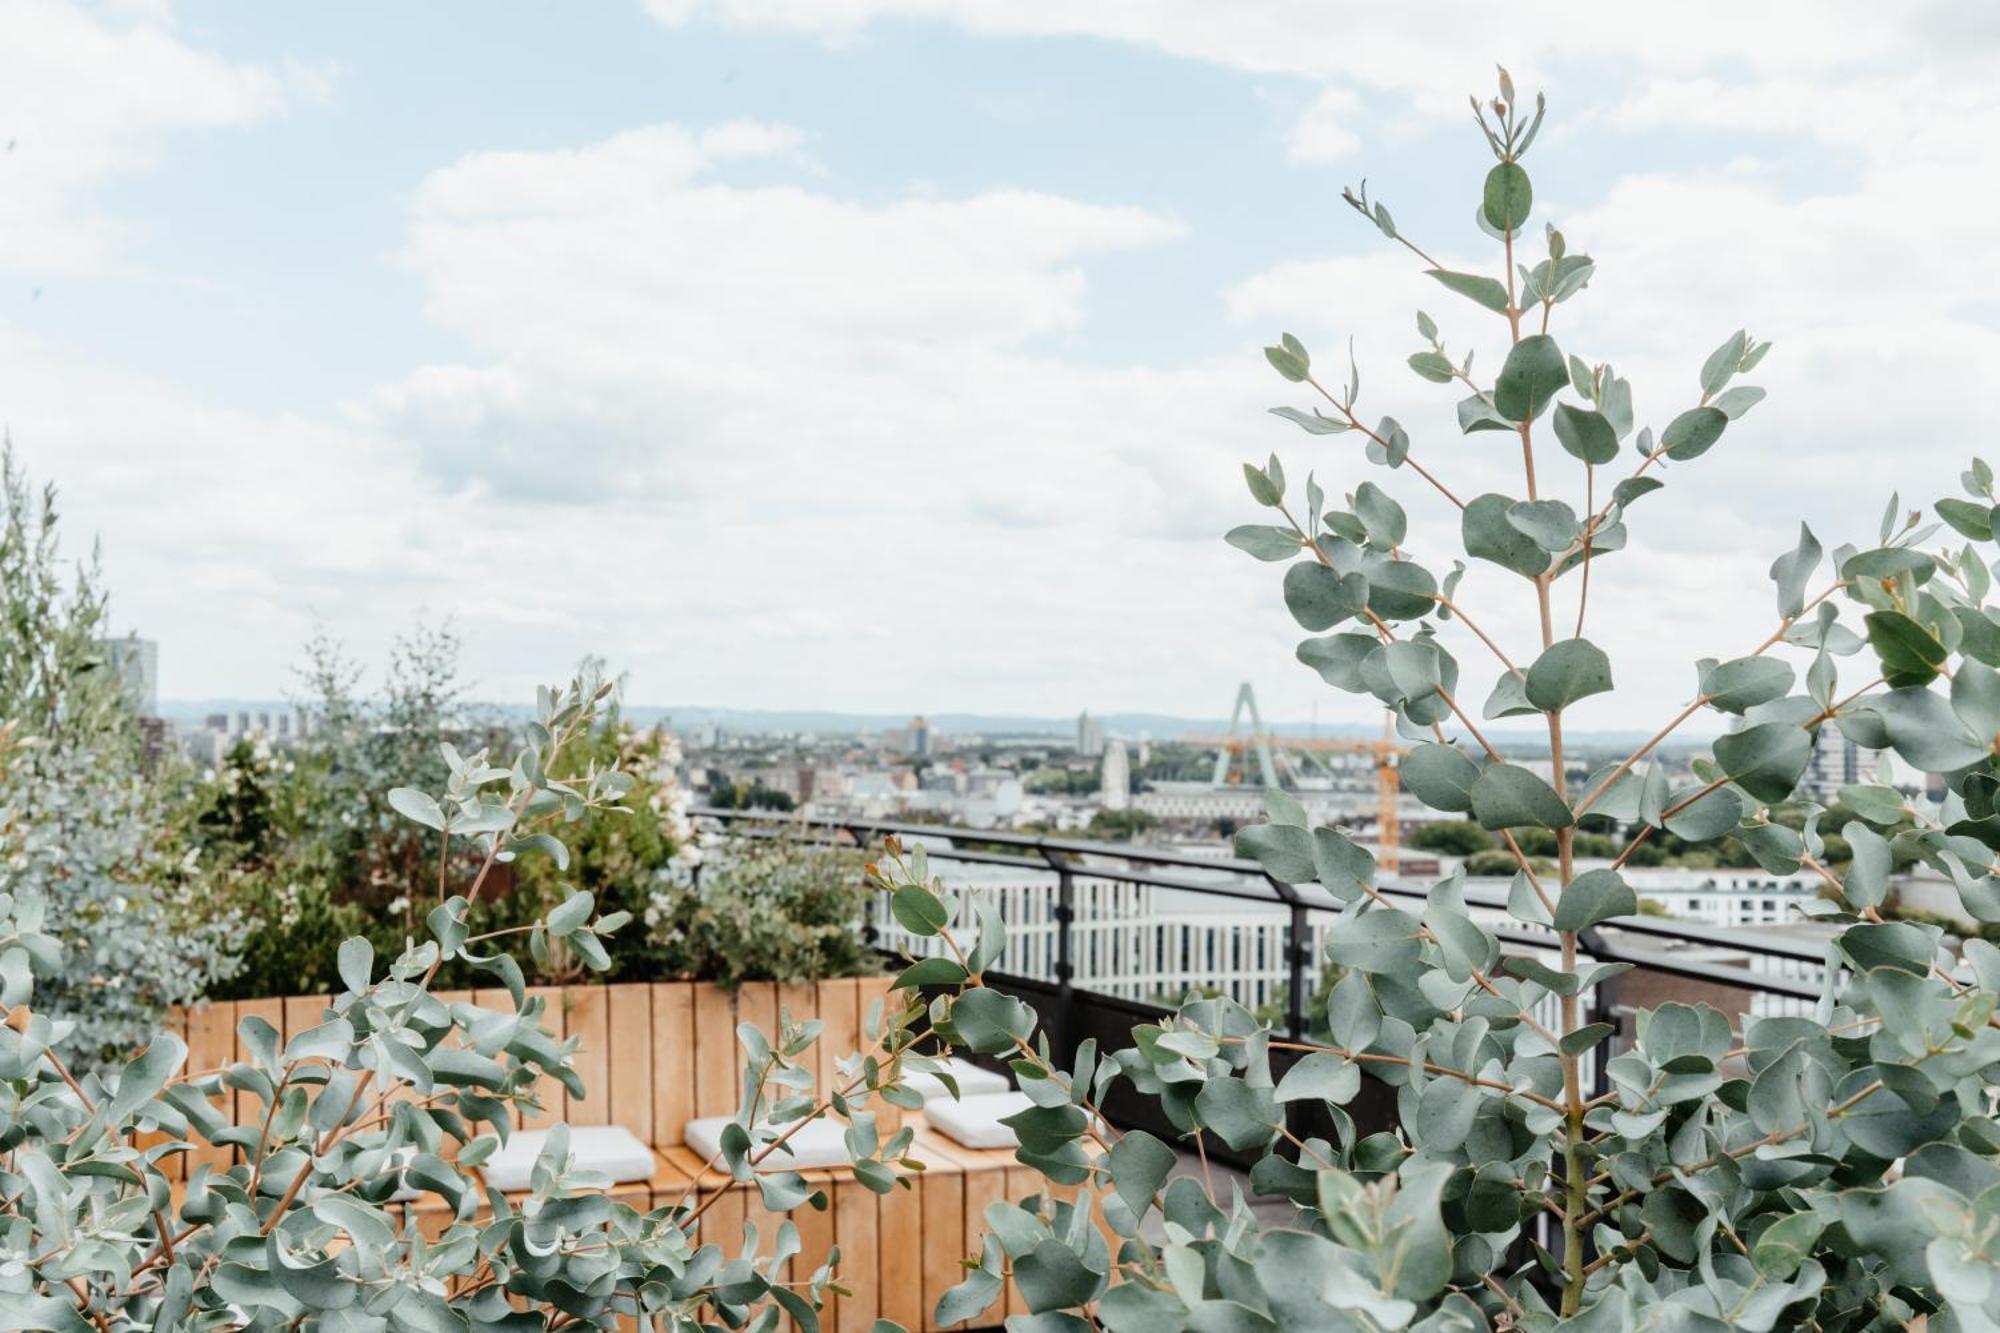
832	438
767	443
1325	131
84	99
625	289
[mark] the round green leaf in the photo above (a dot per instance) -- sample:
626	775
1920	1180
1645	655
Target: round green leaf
1690	434
1587	435
1441	776
1318	598
1765	760
1338	658
1746	682
1594	896
1489	535
1533	374
1508	198
1508	796
1570	670
918	910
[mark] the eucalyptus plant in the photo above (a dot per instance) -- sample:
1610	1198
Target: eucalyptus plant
1834	1171
82	827
396	1095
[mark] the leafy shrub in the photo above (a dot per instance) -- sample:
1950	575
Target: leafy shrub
302	847
1452	837
80	824
622	861
764	909
396	1089
1831	1171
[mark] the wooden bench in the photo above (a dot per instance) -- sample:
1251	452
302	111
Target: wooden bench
653	1056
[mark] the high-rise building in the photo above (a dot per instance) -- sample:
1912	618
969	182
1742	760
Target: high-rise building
1089	735
1836	762
1114	783
136	663
920	735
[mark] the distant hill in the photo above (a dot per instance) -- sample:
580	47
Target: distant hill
1130	726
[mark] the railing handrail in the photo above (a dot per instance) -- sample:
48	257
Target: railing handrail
1057	854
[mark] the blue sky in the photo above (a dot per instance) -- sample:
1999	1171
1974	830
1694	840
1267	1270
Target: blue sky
877	354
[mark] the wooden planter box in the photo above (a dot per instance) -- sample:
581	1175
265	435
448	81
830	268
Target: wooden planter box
654	1055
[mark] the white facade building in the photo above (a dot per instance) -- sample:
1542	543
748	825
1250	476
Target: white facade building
1114	783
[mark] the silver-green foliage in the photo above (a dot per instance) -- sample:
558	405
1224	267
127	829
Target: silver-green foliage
397	1090
80	825
1834	1171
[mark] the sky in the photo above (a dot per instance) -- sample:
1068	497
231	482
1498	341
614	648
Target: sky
886	355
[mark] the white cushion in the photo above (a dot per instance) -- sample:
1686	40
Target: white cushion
973	1081
975	1122
817	1143
611	1150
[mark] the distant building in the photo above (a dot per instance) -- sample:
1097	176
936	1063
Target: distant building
1089	735
1836	762
1115	778
914	740
136	662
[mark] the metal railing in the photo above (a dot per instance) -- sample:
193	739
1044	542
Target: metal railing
1136	947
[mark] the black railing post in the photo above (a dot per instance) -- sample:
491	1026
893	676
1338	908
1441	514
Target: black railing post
1298	952
1065	959
1603	1009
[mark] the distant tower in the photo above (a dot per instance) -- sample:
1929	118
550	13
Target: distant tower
1267	768
1145	754
1089	735
1115	778
920	736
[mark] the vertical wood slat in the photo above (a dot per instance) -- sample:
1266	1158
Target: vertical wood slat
716	1086
901	1240
548	1091
942	1192
303	1013
673	1058
840	1014
586	1017
816	1233
211	1044
985	1185
857	1233
629	1052
722	1224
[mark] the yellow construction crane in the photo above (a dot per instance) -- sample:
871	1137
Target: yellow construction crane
1232	752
